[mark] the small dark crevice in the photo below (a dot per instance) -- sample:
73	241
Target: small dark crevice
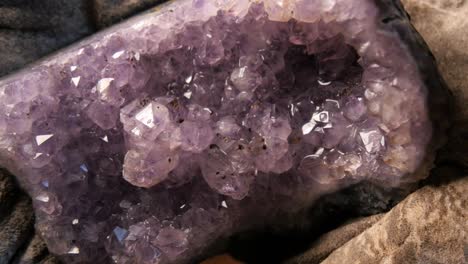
35	30
389	19
89	8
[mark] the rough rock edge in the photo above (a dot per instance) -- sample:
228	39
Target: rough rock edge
439	98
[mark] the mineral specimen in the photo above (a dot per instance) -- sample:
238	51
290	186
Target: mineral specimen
152	140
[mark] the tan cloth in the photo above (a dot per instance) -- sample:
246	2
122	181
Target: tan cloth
444	26
430	226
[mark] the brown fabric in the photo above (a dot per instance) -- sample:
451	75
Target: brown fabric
327	243
430	226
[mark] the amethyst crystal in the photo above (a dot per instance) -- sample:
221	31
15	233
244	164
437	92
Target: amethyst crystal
152	140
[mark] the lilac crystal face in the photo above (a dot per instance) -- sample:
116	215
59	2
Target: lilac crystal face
148	142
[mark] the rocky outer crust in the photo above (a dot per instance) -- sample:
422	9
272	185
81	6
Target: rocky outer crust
444	27
440	98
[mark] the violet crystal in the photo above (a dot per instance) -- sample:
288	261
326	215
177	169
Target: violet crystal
150	141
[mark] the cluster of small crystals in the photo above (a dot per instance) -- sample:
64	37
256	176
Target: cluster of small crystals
213	116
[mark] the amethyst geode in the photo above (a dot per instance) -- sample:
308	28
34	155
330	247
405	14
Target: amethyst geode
152	140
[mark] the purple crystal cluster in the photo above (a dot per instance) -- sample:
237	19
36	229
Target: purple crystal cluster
152	140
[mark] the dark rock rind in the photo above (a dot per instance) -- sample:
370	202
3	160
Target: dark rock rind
439	98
